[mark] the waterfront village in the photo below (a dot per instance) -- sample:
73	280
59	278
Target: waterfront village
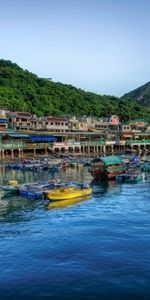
58	140
23	134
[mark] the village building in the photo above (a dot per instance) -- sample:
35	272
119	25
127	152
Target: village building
19	120
22	133
3	120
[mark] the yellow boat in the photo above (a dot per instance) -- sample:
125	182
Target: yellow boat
68	193
68	202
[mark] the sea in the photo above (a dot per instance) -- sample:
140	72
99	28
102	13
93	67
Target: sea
92	248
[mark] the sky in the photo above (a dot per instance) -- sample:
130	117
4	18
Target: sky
102	46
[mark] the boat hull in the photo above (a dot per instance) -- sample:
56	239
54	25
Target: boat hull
129	178
11	190
104	175
66	202
68	193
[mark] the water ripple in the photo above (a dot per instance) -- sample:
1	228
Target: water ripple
97	248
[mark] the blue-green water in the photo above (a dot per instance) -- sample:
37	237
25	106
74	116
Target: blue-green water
94	249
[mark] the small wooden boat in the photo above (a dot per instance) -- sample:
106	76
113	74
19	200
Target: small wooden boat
55	167
32	190
74	164
12	187
14	166
68	193
145	166
129	177
68	202
37	190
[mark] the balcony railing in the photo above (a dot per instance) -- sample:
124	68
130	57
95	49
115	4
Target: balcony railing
134	142
24	146
36	145
13	146
93	143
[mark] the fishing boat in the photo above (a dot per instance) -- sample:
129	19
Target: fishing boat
33	190
29	165
145	166
14	166
12	187
36	190
107	167
68	192
68	202
54	164
129	177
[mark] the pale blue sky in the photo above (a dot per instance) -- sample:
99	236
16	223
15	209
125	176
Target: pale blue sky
97	45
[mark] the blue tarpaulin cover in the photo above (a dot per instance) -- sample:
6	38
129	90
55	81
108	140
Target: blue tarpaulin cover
42	138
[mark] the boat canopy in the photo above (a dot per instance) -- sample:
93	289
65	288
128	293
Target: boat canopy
42	138
110	160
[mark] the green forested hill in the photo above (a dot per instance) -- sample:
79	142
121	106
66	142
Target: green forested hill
141	94
21	90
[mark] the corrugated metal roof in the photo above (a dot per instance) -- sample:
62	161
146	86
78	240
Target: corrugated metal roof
55	119
71	133
18	135
110	160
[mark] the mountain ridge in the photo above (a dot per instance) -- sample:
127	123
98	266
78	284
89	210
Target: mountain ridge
140	94
21	90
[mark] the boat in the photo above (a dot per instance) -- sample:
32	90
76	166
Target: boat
68	202
55	167
36	190
132	174
68	192
12	187
107	167
145	166
129	177
54	164
14	166
33	190
29	165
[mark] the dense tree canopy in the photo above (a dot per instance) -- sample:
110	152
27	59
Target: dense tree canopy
141	94
21	90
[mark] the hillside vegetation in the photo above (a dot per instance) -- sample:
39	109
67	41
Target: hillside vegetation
20	90
141	94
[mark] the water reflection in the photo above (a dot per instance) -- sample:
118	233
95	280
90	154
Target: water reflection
13	204
97	248
103	186
14	208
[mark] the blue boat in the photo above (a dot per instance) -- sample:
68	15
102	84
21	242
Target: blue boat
145	166
129	177
31	190
35	190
